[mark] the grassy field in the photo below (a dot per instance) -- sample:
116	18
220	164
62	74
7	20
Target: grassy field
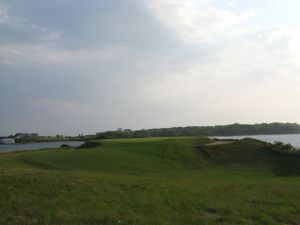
165	181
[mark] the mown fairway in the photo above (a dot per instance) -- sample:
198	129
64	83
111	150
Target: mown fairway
165	181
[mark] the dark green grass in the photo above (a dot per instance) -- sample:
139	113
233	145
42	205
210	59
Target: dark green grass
151	181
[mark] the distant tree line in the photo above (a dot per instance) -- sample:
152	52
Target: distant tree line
225	130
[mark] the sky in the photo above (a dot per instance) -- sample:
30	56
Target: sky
83	66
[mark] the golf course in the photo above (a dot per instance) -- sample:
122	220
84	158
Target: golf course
151	181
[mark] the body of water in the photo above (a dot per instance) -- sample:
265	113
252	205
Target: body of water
293	139
36	146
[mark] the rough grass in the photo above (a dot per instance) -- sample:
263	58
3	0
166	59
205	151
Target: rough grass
143	181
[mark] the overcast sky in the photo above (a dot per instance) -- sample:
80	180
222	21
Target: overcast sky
82	66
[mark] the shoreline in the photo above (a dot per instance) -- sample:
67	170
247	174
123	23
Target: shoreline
37	146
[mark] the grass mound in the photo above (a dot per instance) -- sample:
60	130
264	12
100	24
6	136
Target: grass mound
253	155
90	144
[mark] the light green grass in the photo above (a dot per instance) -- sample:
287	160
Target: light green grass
165	181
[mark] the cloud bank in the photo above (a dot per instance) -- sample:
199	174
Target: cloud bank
142	64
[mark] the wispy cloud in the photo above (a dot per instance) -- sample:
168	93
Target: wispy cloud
61	105
26	27
6	18
43	54
197	21
246	66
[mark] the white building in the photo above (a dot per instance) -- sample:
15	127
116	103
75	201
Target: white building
7	141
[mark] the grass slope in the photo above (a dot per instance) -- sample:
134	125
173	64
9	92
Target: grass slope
151	181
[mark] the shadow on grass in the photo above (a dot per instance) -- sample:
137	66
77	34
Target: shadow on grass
286	165
249	154
90	144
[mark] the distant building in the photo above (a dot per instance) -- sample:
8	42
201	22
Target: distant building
6	141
